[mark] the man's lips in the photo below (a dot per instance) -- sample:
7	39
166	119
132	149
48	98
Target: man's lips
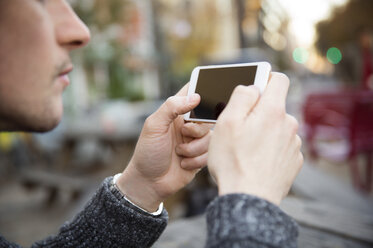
66	71
63	76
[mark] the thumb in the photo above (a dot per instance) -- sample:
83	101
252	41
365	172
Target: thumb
175	106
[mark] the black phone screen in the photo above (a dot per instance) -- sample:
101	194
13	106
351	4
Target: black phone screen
215	87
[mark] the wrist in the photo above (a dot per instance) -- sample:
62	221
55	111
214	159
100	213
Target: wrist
245	188
138	191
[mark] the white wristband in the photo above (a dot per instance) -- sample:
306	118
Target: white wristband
156	213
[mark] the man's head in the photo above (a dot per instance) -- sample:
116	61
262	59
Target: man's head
36	37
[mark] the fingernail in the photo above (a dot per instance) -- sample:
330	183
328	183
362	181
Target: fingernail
192	98
178	149
182	164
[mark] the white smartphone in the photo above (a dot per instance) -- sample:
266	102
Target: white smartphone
215	84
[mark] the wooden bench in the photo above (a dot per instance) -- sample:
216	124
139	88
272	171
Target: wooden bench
54	182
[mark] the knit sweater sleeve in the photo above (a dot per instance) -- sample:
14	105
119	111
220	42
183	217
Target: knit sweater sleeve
106	221
239	220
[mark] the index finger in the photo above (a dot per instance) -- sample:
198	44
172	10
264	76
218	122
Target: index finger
275	92
196	130
183	91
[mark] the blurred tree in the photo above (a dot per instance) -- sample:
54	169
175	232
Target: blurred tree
189	31
105	59
344	30
344	24
240	8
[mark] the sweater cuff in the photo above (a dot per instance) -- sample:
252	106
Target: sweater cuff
245	219
107	221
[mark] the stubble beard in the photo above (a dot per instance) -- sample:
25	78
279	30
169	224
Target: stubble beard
41	118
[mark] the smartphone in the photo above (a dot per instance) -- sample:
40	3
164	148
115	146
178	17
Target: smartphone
215	84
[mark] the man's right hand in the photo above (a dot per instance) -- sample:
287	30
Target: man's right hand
255	148
168	154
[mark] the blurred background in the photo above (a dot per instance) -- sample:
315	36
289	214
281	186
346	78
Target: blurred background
144	51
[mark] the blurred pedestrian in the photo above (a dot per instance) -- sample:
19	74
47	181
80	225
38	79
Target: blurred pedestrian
366	46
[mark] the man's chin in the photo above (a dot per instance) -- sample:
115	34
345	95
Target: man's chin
45	124
45	120
45	127
33	117
30	125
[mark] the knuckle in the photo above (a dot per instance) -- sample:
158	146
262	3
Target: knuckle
170	106
292	122
169	100
300	160
239	89
187	129
149	121
202	161
198	131
281	77
169	103
226	122
205	144
189	150
209	134
298	141
192	163
246	90
224	117
186	149
276	110
196	163
207	138
228	119
253	91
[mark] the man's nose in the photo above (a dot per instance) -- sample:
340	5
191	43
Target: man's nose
71	32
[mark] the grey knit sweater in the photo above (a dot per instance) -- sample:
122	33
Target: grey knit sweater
235	220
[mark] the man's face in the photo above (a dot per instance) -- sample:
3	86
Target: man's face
36	37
